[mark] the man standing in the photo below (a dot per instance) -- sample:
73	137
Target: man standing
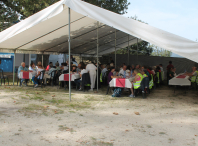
123	71
169	66
91	68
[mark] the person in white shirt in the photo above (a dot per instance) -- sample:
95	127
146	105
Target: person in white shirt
123	71
38	76
91	68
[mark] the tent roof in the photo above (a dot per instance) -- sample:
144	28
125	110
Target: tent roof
47	32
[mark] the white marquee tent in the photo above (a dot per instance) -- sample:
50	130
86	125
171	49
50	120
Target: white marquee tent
46	32
93	31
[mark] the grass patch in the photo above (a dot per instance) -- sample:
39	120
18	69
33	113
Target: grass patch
64	128
56	101
36	98
100	143
33	109
149	126
162	133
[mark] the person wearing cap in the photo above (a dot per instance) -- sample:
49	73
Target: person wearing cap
91	68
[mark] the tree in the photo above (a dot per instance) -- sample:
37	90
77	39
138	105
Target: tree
143	46
12	11
117	6
157	51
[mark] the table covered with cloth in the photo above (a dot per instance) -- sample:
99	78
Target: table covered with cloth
120	82
65	77
180	80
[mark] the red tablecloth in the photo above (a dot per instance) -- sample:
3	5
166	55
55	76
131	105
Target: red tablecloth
66	77
120	83
181	76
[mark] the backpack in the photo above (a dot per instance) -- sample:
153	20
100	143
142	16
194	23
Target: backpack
117	92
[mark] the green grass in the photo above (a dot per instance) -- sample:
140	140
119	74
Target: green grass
56	101
162	133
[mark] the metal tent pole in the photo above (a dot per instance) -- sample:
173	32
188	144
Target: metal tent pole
42	59
69	45
115	47
97	54
14	68
137	50
128	49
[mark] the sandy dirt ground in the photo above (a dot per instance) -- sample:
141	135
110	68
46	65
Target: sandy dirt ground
39	117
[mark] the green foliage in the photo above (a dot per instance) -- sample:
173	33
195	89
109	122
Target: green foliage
117	6
160	52
143	49
12	11
143	46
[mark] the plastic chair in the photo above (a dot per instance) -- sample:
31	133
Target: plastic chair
3	77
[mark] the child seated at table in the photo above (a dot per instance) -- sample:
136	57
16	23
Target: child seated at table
136	82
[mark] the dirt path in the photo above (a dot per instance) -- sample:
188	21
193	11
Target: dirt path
41	117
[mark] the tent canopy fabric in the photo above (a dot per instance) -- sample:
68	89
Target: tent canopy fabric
46	32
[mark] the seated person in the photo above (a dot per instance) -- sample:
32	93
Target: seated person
78	69
193	74
38	75
136	82
64	66
123	71
50	74
144	73
172	73
49	66
111	76
22	68
149	69
73	69
32	68
128	74
57	66
78	81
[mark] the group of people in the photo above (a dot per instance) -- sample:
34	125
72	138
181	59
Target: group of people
135	73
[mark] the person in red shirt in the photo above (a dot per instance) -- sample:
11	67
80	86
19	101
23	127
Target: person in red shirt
149	69
169	66
49	66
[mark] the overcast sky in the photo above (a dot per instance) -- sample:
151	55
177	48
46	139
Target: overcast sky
176	16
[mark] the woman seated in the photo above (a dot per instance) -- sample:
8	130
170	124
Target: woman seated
111	76
78	81
73	69
38	75
136	82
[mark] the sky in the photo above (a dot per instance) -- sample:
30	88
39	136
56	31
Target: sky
179	17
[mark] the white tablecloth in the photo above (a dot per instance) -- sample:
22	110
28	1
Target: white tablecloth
180	81
120	82
73	77
22	76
